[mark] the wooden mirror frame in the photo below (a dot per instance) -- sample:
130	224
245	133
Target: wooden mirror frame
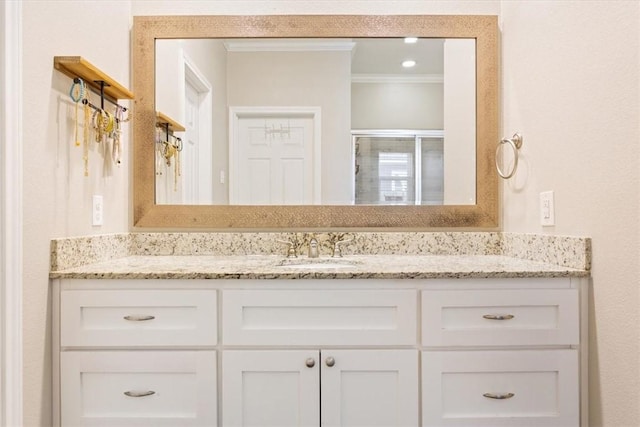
148	214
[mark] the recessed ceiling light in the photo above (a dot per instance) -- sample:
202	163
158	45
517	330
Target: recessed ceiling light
409	63
411	40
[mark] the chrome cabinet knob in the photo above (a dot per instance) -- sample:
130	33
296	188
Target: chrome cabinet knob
310	362
330	361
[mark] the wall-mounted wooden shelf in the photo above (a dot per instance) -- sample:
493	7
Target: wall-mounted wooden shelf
162	120
77	66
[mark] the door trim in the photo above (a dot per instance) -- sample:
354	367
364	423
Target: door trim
237	113
11	404
197	79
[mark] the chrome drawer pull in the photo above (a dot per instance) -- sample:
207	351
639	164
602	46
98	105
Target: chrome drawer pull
139	393
139	318
499	396
498	316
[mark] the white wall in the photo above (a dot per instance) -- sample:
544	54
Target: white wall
56	196
570	75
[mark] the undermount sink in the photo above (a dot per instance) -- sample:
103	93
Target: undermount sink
315	263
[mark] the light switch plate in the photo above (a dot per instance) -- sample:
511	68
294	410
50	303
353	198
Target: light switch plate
547	209
97	210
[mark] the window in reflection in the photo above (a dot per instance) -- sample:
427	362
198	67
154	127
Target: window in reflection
395	176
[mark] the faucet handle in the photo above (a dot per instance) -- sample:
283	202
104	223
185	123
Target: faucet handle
337	247
291	250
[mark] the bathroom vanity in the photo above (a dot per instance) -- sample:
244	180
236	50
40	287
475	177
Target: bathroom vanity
375	340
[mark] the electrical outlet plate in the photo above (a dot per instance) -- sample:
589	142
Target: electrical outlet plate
97	211
547	209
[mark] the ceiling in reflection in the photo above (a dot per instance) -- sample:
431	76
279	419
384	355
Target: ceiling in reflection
369	55
385	56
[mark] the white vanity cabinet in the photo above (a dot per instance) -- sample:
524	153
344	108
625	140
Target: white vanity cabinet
311	352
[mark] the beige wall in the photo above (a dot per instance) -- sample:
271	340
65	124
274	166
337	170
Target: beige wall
459	122
57	197
392	105
570	85
570	76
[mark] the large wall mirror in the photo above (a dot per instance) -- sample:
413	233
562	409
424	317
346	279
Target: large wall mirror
315	122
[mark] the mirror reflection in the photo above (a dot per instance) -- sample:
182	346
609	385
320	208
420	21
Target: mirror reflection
316	121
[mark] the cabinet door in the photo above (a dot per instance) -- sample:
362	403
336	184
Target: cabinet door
372	388
138	388
270	388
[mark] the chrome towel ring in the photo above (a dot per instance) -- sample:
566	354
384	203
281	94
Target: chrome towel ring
515	142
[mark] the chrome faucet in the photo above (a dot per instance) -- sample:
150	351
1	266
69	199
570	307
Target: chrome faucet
313	247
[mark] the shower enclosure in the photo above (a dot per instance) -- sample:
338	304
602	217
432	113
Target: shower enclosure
398	167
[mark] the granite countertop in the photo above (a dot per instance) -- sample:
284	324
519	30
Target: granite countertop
349	267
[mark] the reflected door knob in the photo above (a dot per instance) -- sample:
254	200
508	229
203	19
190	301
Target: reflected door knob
330	361
310	363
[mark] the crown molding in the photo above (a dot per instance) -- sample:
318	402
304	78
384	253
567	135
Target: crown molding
288	46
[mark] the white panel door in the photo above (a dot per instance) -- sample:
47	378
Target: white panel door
373	388
270	388
275	161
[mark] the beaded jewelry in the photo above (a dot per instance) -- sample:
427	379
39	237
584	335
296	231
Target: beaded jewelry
108	122
117	149
77	86
120	110
159	151
87	120
77	94
178	167
96	123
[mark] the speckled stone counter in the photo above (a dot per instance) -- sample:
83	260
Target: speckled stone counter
410	255
350	267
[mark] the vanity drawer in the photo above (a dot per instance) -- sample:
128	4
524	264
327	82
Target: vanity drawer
500	317
138	388
319	317
108	318
500	388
